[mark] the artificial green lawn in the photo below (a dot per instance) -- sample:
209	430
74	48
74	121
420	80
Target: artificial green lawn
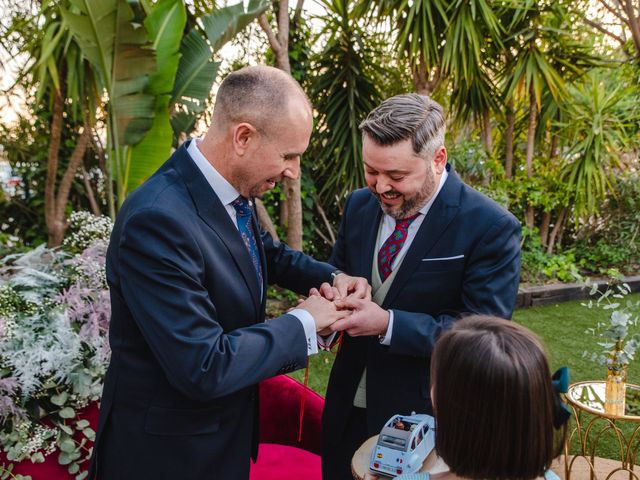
562	328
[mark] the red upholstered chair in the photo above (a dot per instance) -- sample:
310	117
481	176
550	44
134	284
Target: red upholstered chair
280	455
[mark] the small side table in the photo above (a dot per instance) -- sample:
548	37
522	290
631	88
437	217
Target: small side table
588	398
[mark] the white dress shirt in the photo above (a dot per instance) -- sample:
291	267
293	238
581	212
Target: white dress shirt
227	194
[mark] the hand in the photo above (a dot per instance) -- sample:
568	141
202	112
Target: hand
369	476
323	311
357	287
367	318
326	291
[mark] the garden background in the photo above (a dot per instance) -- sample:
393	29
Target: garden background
543	102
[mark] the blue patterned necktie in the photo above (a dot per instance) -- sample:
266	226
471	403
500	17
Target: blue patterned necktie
243	219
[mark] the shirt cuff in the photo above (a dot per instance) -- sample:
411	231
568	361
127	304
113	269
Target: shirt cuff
325	342
387	338
309	325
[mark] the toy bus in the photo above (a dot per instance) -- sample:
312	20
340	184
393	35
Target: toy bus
403	444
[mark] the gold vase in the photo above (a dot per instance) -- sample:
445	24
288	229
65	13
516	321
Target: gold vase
615	389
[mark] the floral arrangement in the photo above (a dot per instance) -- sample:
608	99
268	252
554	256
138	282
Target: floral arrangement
620	334
54	314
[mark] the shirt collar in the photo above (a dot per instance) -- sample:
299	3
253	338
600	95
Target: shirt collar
222	188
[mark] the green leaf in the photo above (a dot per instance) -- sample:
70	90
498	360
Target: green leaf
59	399
225	23
67	445
119	53
147	156
67	412
37	457
196	71
73	468
64	458
65	428
80	424
165	25
89	433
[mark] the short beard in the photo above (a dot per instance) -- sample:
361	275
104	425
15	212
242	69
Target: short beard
412	205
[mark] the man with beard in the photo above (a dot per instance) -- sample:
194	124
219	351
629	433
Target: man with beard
188	272
433	249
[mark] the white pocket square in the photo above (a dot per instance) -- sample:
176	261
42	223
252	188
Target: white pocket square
442	259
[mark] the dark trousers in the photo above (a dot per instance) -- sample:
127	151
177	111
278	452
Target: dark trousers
336	459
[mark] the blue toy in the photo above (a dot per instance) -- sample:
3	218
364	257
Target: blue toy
403	444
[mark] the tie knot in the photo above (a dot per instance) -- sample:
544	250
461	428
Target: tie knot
405	222
241	206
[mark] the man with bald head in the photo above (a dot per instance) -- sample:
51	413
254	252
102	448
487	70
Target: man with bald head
188	268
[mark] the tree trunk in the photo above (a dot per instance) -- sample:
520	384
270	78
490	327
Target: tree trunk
422	81
529	217
487	138
556	230
544	227
265	219
508	140
55	231
56	235
531	132
553	151
95	208
531	137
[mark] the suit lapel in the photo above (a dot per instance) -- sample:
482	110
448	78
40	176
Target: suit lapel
443	210
369	227
213	213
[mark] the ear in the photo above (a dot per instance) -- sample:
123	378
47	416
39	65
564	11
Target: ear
244	136
440	159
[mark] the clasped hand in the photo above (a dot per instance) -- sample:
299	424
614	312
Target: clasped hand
357	314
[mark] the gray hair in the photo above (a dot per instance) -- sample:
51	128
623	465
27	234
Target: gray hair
407	116
257	95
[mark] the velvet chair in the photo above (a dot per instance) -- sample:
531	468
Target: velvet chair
280	455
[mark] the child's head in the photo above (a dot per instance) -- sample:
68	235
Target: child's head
494	401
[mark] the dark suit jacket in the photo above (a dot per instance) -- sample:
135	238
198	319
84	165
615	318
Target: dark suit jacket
430	291
187	334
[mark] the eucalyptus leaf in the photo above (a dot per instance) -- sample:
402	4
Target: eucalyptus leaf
60	399
67	445
83	423
67	412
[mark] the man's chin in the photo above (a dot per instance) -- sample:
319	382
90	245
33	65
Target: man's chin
394	211
259	192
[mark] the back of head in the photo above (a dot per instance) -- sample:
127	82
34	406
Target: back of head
494	401
407	117
258	95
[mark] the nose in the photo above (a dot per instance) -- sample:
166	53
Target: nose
293	169
382	186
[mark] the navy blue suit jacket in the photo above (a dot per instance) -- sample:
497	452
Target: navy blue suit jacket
187	334
464	259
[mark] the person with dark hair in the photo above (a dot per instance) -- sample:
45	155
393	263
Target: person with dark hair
433	249
188	269
498	413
